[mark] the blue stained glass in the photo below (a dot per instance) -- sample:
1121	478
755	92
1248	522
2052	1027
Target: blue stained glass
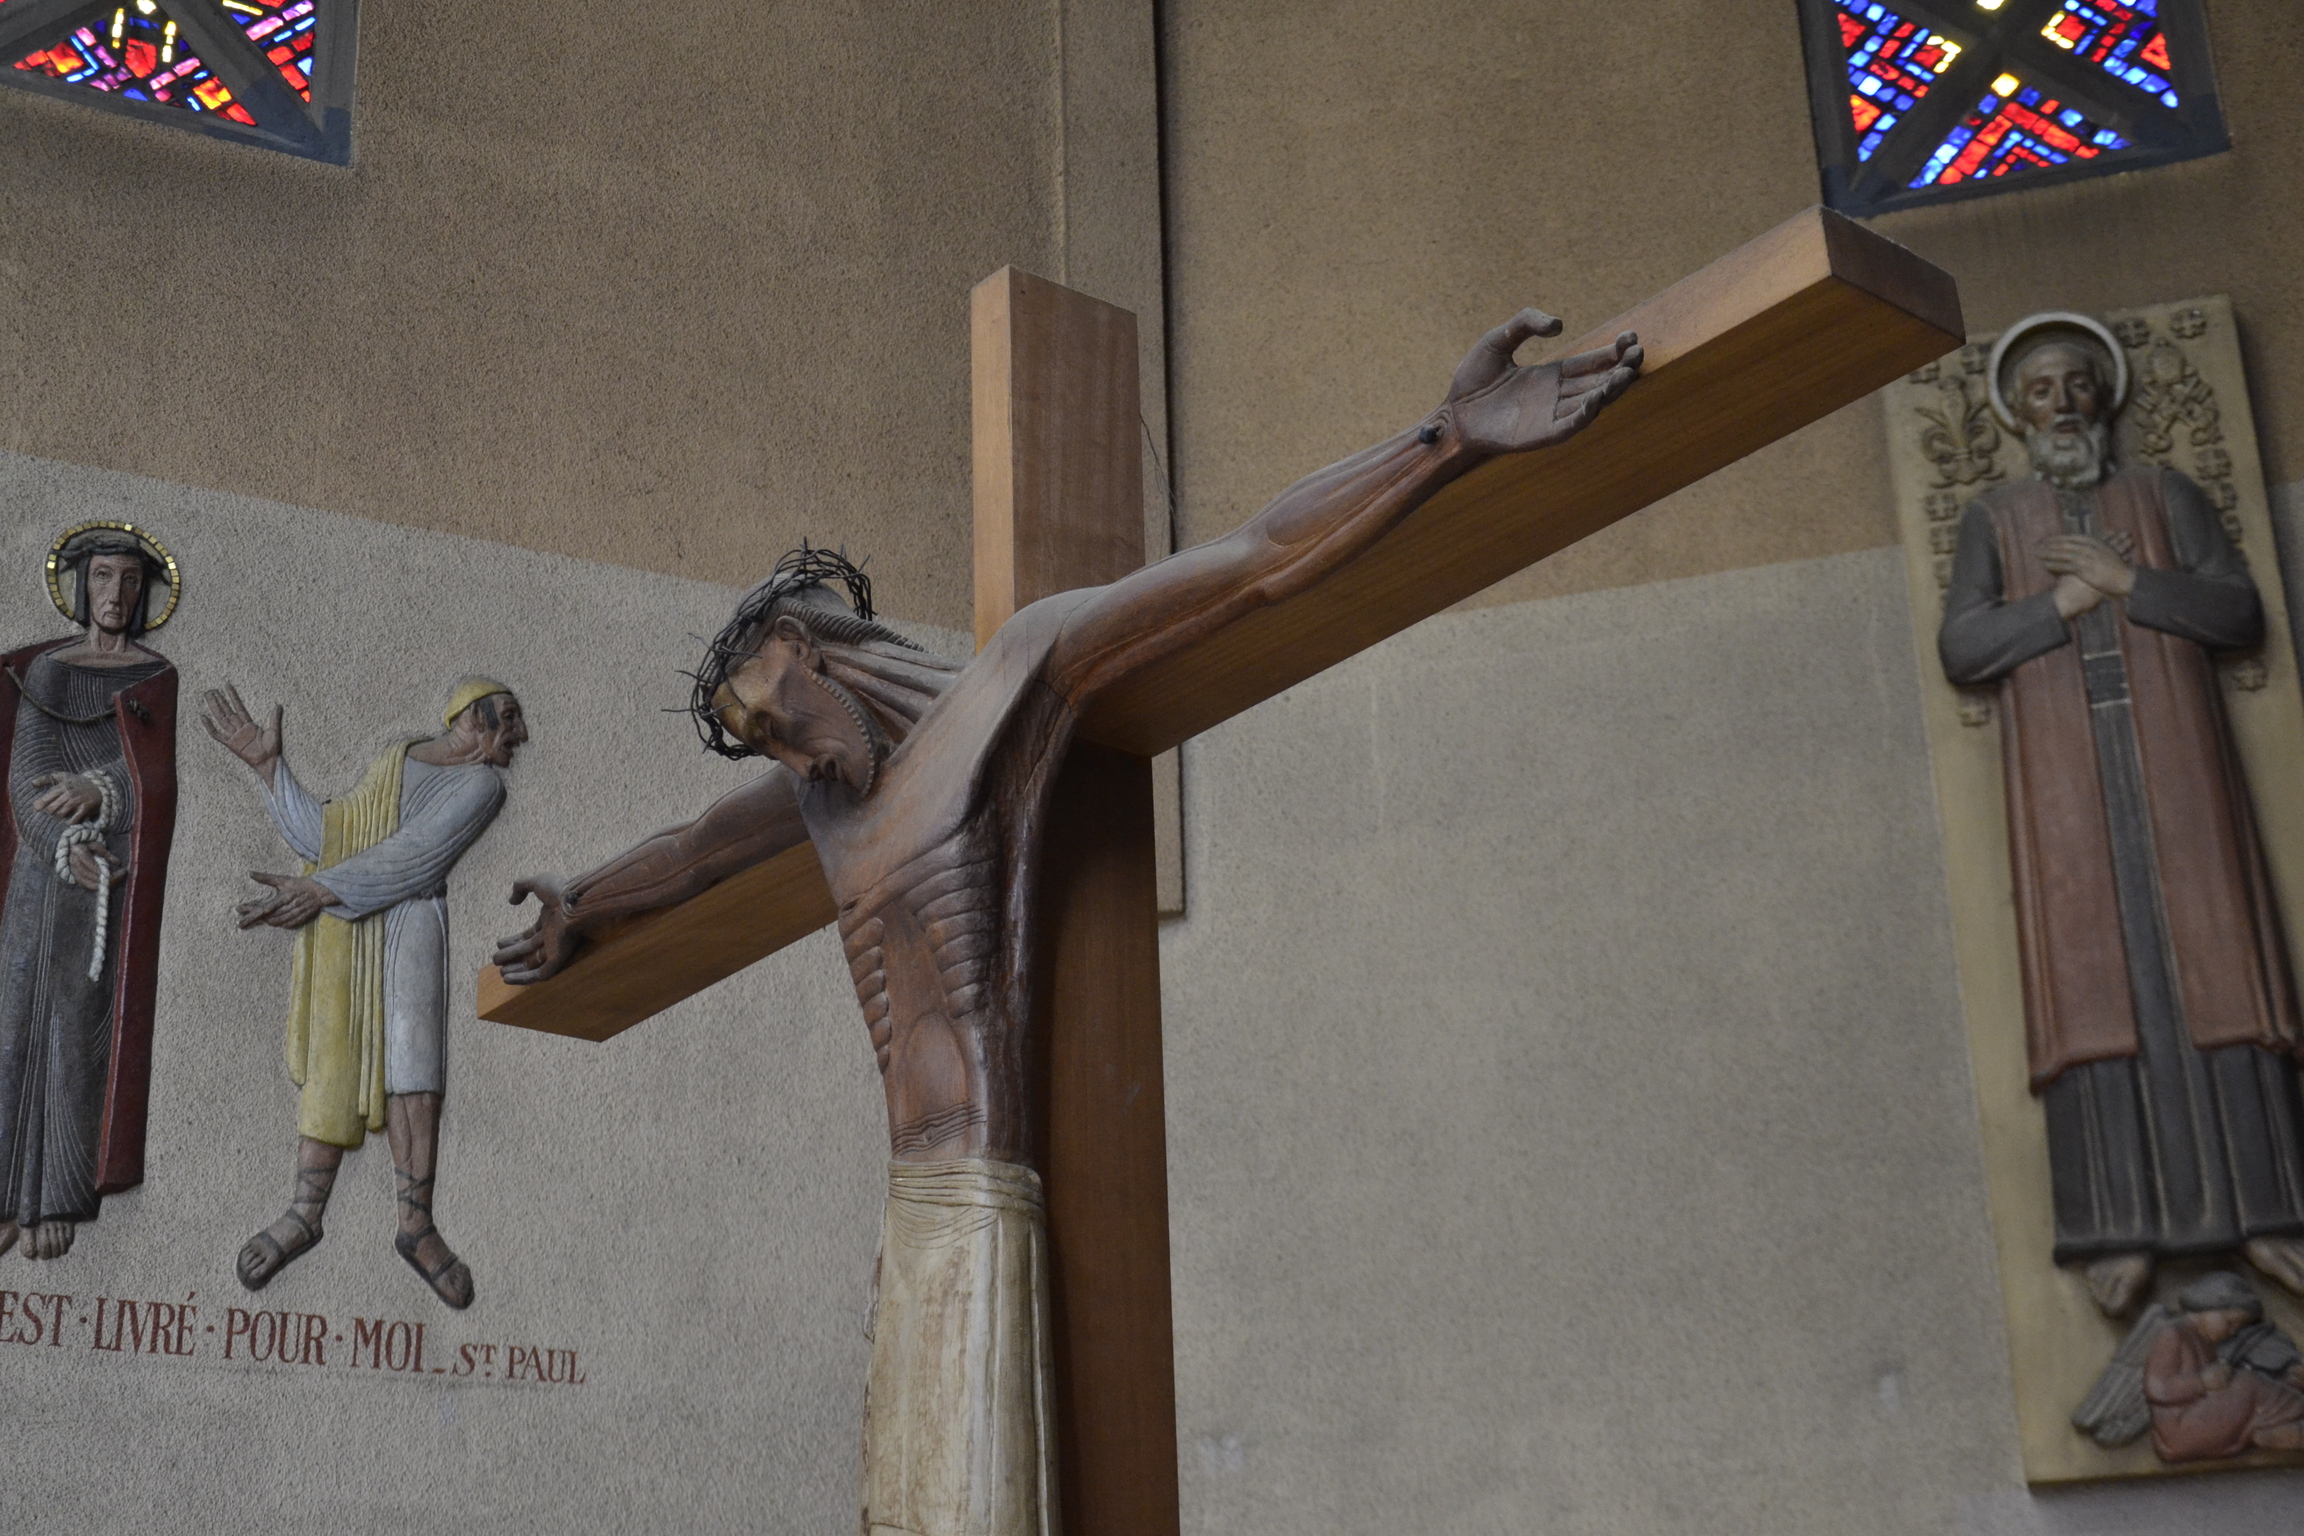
2120	37
1891	63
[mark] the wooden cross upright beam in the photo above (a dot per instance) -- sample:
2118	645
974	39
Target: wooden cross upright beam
1060	505
1814	314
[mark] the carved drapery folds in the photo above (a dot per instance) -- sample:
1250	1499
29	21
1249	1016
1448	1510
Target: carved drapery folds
2186	409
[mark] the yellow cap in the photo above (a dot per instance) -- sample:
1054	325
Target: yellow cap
468	693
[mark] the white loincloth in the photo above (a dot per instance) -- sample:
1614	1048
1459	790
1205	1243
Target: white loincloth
959	1438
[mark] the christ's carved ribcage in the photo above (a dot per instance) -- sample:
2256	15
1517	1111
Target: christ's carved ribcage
922	950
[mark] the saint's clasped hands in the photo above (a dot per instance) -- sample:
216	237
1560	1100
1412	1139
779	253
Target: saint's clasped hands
72	800
2088	570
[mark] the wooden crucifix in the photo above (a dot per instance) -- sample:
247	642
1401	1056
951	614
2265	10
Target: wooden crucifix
981	830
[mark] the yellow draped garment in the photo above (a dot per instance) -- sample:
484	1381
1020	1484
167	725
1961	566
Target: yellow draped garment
336	992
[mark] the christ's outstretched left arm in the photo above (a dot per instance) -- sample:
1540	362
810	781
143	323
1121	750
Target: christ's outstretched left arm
1322	522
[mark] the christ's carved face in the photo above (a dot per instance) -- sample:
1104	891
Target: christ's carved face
780	704
115	589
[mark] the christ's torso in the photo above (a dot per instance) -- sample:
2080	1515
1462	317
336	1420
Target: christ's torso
932	873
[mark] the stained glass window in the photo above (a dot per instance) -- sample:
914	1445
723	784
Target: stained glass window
2125	41
285	33
270	72
2015	128
1920	100
1891	64
143	56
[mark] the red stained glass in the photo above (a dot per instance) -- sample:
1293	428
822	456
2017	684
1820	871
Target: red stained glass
137	56
2010	135
284	30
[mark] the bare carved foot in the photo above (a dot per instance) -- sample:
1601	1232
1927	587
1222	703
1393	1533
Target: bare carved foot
2117	1282
2281	1437
2280	1257
276	1247
48	1239
8	1230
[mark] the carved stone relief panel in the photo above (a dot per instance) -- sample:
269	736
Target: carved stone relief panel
2134	1319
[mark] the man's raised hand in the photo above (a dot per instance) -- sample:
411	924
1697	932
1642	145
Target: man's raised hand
229	722
1498	406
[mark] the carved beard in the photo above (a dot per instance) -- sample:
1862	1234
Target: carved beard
871	736
2066	462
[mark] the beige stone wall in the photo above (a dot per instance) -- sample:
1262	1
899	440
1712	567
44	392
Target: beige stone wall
1358	189
670	286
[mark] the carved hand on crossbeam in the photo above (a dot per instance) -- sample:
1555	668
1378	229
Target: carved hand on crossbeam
1499	407
545	945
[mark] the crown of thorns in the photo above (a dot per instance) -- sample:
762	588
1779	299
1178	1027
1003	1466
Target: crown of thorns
805	570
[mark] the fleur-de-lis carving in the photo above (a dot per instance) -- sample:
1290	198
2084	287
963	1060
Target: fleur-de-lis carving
1960	438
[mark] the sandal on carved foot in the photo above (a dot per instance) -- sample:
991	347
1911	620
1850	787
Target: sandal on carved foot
274	1249
449	1277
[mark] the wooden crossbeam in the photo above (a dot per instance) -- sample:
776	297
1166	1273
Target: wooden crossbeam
1786	329
1779	333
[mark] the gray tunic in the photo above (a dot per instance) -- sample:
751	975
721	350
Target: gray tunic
442	812
55	1023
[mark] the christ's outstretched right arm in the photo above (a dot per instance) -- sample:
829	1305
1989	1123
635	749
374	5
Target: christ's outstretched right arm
749	825
1323	521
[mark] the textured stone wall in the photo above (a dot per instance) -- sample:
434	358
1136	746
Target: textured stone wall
1570	1117
668	285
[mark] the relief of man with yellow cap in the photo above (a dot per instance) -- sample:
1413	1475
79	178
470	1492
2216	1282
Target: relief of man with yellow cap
368	1002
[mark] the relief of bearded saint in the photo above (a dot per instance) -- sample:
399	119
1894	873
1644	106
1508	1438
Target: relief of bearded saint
2160	1013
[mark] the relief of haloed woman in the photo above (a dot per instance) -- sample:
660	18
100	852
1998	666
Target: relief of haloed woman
89	762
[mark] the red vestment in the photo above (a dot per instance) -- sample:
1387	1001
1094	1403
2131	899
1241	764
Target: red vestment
146	714
2192	1422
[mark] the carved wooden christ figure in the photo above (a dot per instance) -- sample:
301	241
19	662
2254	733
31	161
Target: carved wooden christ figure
922	782
2160	1012
90	764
